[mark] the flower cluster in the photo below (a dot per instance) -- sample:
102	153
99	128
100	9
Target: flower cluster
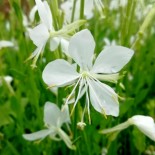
45	31
86	74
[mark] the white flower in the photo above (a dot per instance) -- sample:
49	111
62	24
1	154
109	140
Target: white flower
5	43
27	21
8	79
89	5
142	10
45	31
144	123
109	43
115	4
53	119
106	67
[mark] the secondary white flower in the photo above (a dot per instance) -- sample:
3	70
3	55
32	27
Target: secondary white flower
27	21
144	123
109	42
45	31
5	43
115	4
89	5
53	119
106	67
8	79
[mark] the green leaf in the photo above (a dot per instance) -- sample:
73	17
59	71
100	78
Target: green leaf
5	114
138	140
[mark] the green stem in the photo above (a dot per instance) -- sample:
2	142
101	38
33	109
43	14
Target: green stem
12	148
144	26
55	11
87	143
131	17
125	24
73	11
82	9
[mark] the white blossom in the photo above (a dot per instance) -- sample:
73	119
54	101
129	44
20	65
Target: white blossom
89	6
54	118
45	32
8	79
144	123
106	67
5	43
115	4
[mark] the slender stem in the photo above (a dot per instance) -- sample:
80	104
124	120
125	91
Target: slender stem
82	9
119	127
87	143
125	22
73	11
144	26
55	11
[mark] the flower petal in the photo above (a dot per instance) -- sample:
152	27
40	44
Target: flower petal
112	59
54	43
103	98
81	48
44	13
36	52
59	73
64	46
145	124
64	116
32	13
37	135
66	139
51	114
119	127
39	35
5	43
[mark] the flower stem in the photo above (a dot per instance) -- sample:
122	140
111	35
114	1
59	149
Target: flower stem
127	20
82	9
87	143
73	11
144	26
55	11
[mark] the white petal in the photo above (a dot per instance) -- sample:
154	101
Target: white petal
103	98
145	124
44	13
39	35
112	59
51	114
54	43
37	52
59	73
64	46
4	43
119	127
66	139
64	116
32	13
37	135
8	79
88	11
67	6
81	48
